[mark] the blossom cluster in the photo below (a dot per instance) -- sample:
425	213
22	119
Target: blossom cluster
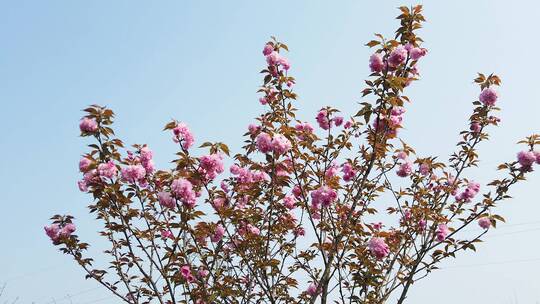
278	144
469	193
526	159
378	247
212	165
183	135
398	56
323	196
325	122
274	59
56	231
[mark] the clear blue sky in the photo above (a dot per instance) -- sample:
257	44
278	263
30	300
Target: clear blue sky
198	61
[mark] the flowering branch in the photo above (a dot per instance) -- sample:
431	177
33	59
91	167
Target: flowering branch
298	218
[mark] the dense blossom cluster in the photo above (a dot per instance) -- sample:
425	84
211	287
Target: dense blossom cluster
397	57
107	170
88	125
133	173
348	172
146	160
212	165
323	196
278	144
390	125
405	165
378	247
183	135
526	159
56	232
182	189
442	232
469	193
325	121
273	58
488	96
245	176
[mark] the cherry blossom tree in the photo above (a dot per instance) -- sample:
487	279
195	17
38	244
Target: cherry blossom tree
294	221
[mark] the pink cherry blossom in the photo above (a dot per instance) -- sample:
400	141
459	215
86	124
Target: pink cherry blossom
312	289
409	46
167	234
107	169
212	165
280	144
422	224
416	53
303	128
264	143
397	56
407	214
348	172
202	272
83	187
146	159
484	223
182	189
423	169
53	232
249	229
323	196
405	169
289	202
322	119
185	271
284	62
378	247
133	173
332	170
89	178
401	155
88	125
84	164
219	202
442	232
268	49
299	231
488	96
219	232
165	199
470	192
272	58
183	135
338	120
290	83
223	185
526	159
376	63
475	127
254	129
396	117
297	191
67	230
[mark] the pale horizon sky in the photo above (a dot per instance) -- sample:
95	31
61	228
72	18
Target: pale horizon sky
199	62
